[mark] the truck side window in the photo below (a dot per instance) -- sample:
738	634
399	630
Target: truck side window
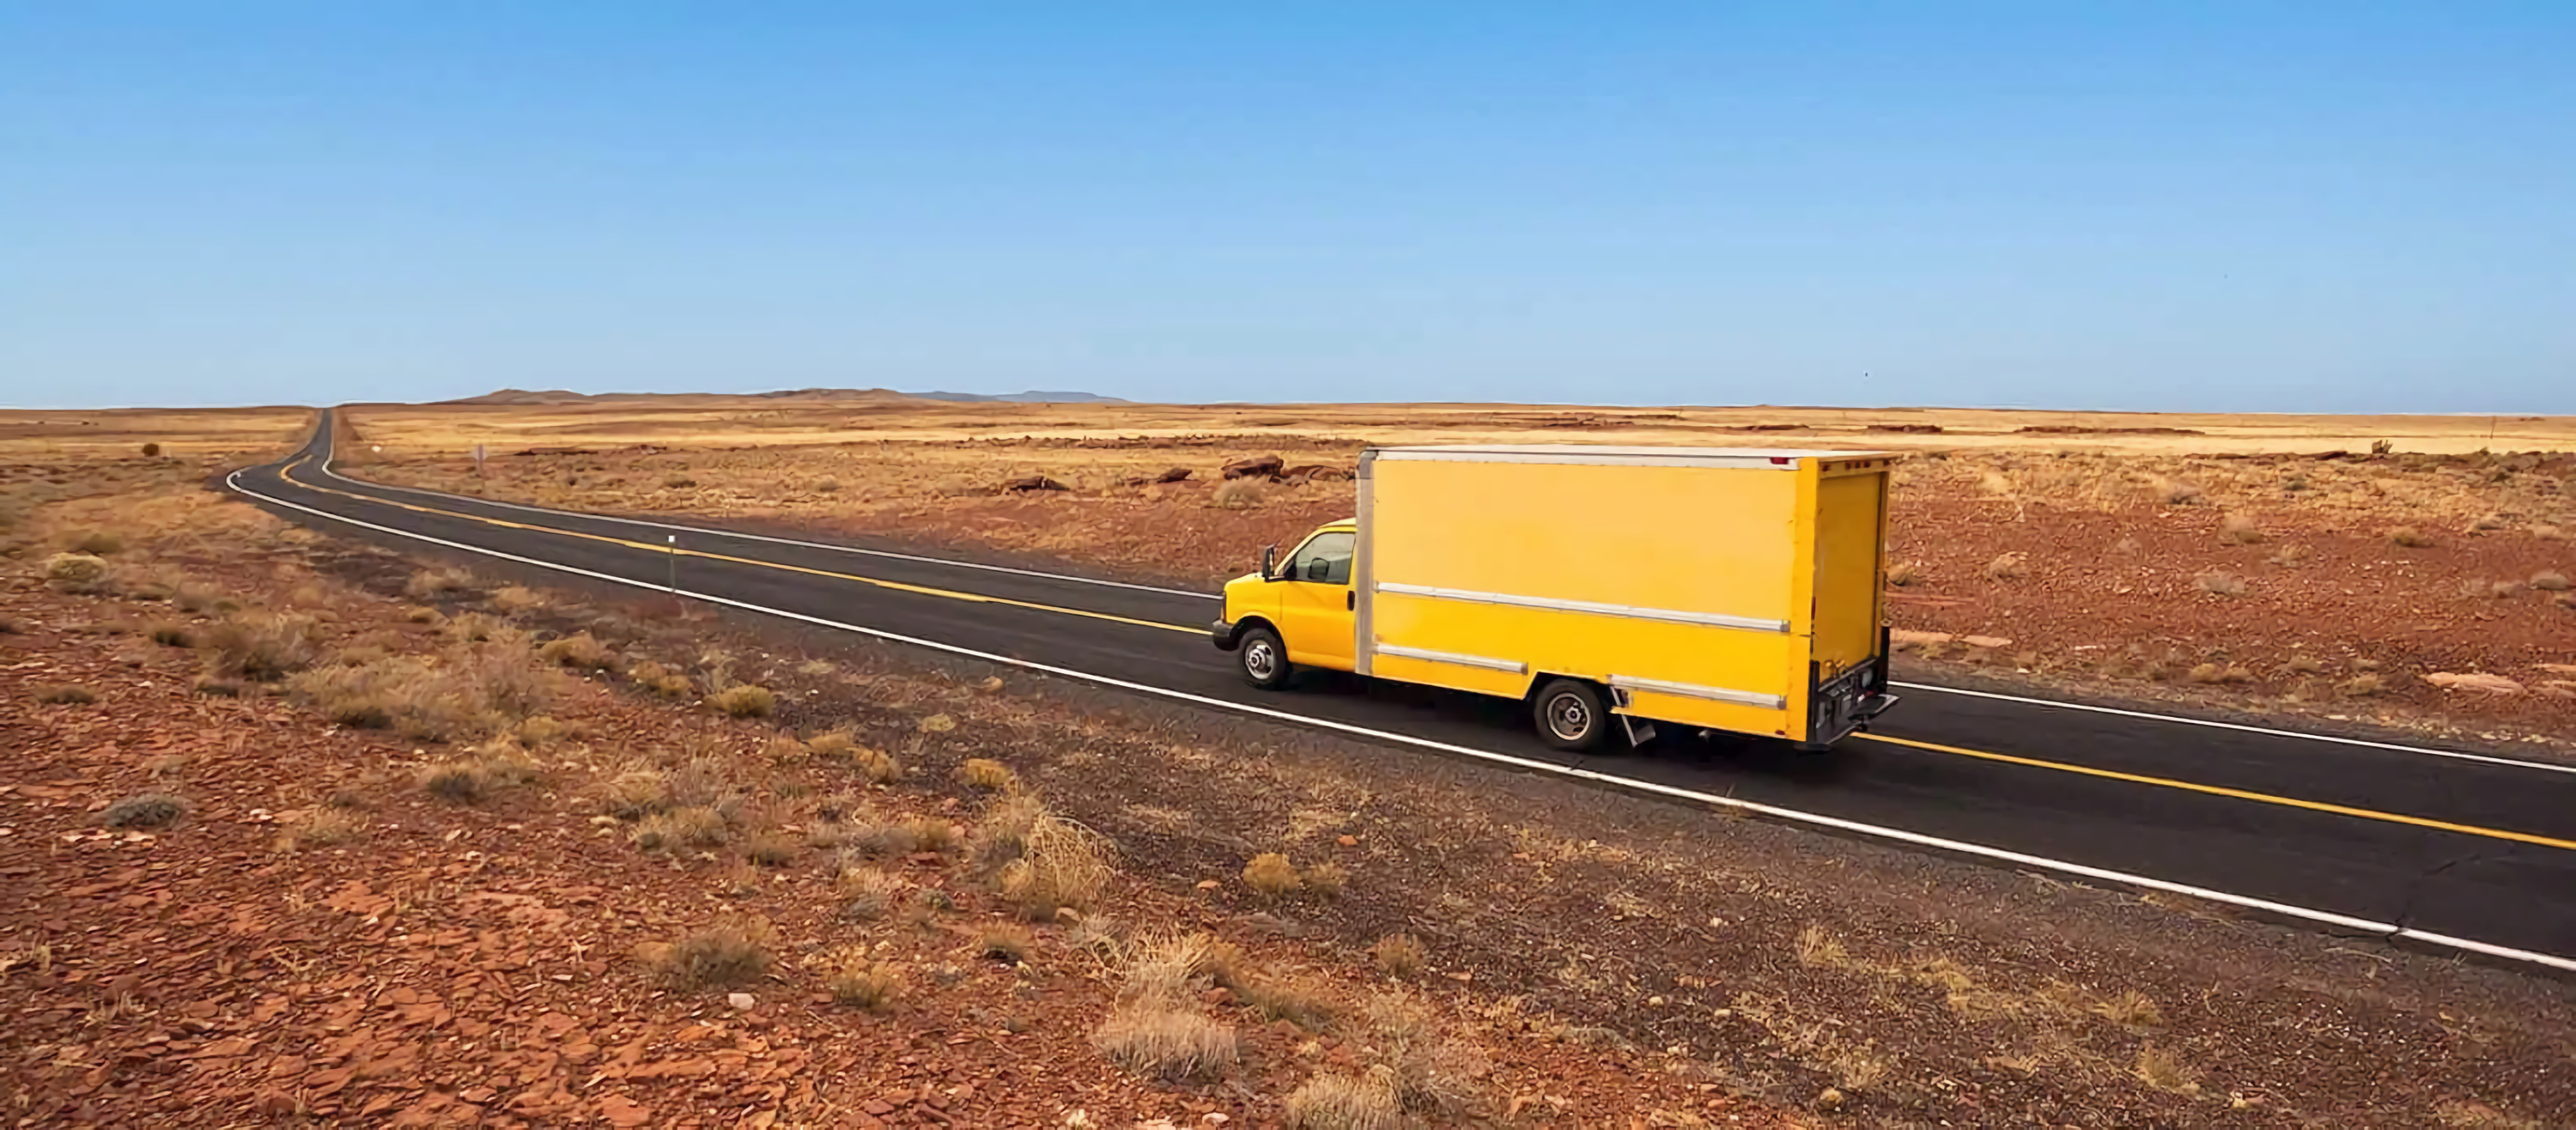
1325	558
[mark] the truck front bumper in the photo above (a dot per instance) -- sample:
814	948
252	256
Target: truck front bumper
1225	633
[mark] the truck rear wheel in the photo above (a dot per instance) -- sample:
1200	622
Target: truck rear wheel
1262	658
1570	715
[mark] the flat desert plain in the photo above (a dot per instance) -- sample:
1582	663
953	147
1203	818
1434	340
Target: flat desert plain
2407	571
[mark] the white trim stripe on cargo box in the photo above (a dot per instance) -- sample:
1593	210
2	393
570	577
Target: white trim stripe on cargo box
1694	690
1454	658
1552	604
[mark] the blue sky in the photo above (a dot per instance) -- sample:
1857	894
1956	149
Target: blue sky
2177	206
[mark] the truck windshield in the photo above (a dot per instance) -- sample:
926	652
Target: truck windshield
1325	558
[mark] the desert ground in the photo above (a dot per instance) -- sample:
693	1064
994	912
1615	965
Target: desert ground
311	832
2403	572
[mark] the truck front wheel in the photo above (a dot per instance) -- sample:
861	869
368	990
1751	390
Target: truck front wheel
1262	658
1570	715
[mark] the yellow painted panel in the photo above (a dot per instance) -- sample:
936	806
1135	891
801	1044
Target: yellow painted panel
1850	531
1696	539
1591	646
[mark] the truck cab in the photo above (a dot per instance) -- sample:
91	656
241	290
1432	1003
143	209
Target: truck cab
1302	610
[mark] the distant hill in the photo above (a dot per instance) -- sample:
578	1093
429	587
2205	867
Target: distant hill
523	397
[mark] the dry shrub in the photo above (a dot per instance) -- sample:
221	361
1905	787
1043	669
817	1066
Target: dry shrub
2362	685
674	830
1239	494
954	486
516	598
2409	537
424	615
660	680
1429	1073
1165	1041
65	694
866	892
144	810
1296	998
429	583
479	774
2219	583
193	597
989	775
2304	665
1398	955
2488	524
1061	866
726	953
2166	1071
1904	573
769	848
465	693
2219	674
1272	875
2008	567
2549	580
857	982
678	482
2289	555
2130	1009
102	543
2238	529
744	700
636	793
79	573
1325	880
477	627
1334	1101
1005	942
323	827
264	646
578	650
1818	946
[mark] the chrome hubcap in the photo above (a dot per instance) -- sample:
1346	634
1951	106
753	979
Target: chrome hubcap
1260	660
1568	717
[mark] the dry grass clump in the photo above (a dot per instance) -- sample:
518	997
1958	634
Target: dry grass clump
1430	1074
101	543
1272	875
264	646
861	983
2409	537
2362	685
1039	862
1162	1040
481	773
989	775
144	810
1239	494
579	650
675	830
2219	583
1296	998
79	574
1904	573
424	615
2130	1009
517	598
323	827
2219	674
478	627
866	892
1819	947
1334	1101
172	634
660	680
743	700
65	694
2237	529
726	953
837	747
1325	880
1398	955
2008	567
2549	580
2165	1071
430	583
465	693
1005	942
634	794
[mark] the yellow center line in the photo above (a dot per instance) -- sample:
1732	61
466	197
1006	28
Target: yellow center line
2237	794
977	598
897	586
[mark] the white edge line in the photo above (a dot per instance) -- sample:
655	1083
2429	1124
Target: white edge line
701	530
1917	839
2487	759
2516	762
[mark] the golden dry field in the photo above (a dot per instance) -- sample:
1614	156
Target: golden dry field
2408	570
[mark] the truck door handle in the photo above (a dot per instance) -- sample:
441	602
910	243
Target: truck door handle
1350	601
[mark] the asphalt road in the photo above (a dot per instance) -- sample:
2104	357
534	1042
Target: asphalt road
2331	827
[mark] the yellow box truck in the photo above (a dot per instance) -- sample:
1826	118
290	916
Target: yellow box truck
1730	589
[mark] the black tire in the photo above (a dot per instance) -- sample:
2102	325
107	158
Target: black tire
1262	659
1570	716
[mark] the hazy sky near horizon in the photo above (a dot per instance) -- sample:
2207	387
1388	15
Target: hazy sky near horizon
2169	206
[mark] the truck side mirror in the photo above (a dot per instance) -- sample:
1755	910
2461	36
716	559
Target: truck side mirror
1270	562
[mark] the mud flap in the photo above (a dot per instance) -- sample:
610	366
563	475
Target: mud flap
1640	731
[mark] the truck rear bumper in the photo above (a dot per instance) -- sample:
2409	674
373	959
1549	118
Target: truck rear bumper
1225	634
